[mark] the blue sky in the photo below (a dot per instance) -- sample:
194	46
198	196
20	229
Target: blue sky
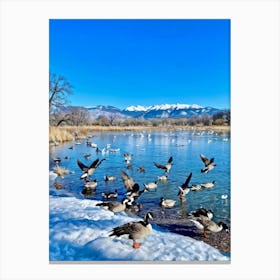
143	62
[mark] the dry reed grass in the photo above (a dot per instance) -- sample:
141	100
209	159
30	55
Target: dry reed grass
66	133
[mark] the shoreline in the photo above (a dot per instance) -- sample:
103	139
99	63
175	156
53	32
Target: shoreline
66	133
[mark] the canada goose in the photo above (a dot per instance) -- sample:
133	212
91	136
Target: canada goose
206	224
88	191
109	195
127	157
60	171
201	212
114	206
129	166
184	188
196	187
127	181
167	203
87	156
57	160
166	167
141	169
135	192
90	184
88	170
135	230
71	148
109	178
208	185
209	164
133	207
162	178
58	185
151	186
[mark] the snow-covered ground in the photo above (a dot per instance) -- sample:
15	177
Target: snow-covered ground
79	232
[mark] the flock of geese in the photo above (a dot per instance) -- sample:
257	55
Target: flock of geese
201	218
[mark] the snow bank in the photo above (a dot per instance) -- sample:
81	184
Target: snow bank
79	231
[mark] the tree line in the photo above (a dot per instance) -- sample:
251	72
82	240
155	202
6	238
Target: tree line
60	88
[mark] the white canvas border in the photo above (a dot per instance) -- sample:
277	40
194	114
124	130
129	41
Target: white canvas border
254	139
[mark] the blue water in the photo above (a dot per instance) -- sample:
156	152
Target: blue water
185	148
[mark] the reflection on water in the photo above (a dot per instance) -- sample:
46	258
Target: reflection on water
148	147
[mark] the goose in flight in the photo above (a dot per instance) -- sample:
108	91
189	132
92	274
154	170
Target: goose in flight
127	157
166	167
88	170
184	188
127	181
208	163
135	230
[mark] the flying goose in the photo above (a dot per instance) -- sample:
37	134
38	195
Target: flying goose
88	170
166	167
114	206
109	195
135	230
208	185
127	181
109	178
127	157
209	164
167	203
201	212
205	224
151	186
184	188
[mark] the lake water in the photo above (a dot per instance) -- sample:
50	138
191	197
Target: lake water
148	147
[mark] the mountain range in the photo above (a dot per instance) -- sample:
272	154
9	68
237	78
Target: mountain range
150	112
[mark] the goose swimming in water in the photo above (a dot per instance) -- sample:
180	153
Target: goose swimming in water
205	224
109	195
151	186
184	188
208	185
208	163
135	230
90	184
162	178
167	203
141	169
196	187
88	170
166	167
109	178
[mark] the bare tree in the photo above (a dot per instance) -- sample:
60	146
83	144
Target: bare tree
112	118
59	88
79	116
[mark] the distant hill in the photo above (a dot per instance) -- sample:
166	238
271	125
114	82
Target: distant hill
149	112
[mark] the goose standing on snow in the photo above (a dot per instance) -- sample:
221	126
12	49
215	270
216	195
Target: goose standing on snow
184	188
166	167
114	206
88	170
135	230
208	163
167	203
205	224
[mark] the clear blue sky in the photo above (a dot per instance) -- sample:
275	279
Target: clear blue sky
143	62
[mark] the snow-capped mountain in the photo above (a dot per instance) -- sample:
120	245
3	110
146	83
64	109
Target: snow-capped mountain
169	111
149	112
